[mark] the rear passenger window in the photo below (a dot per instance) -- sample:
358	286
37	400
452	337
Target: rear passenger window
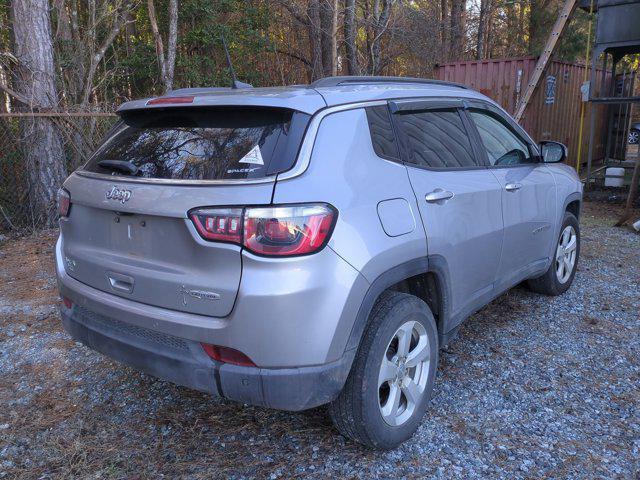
382	136
437	139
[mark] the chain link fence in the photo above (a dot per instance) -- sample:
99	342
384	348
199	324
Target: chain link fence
79	132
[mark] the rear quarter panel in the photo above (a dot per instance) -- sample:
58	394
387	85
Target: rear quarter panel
345	171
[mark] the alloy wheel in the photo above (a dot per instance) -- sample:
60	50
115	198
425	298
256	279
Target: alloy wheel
404	371
566	254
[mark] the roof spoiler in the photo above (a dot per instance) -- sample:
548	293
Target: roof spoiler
369	79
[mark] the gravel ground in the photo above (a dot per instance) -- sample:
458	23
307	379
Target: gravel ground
534	387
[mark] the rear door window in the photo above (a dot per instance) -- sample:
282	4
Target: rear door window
437	139
202	143
382	137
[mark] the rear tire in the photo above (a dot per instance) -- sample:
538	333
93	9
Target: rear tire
391	379
559	277
634	137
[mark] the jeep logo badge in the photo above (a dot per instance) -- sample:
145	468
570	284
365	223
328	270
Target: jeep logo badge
120	194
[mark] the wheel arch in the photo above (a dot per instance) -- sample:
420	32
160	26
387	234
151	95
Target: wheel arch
573	204
426	277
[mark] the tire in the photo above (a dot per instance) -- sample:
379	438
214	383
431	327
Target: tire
634	136
552	282
357	413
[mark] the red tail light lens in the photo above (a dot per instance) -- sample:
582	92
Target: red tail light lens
64	202
285	230
290	230
219	224
227	355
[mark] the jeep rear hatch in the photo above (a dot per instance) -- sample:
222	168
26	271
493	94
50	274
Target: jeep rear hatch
128	232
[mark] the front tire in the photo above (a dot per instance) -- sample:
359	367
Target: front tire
391	380
634	136
562	270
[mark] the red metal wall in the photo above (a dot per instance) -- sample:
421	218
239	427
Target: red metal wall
505	81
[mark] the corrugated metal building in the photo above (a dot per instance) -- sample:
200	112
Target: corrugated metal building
554	110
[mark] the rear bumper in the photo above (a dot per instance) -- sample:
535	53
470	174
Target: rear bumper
289	313
184	362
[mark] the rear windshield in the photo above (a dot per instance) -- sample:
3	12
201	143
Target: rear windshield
202	144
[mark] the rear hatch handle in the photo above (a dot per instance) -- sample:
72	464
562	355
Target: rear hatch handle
120	283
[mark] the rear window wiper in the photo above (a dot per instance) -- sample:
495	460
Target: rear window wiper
119	165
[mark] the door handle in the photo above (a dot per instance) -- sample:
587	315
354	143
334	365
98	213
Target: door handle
438	195
512	187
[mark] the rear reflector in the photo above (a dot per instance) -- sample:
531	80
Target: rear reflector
67	303
170	100
64	202
284	230
227	355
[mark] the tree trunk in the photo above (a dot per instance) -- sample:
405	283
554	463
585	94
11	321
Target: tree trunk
444	29
35	81
350	29
172	44
381	15
315	39
328	32
481	26
457	29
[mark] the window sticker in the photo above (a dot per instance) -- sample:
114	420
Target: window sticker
254	157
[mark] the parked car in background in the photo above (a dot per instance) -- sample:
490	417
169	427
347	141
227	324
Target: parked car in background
299	246
634	134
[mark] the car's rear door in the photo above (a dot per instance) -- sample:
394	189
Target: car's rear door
458	198
528	192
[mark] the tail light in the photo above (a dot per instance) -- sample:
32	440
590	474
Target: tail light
64	202
227	355
285	230
219	224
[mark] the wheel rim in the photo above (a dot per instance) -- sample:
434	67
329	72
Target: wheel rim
566	254
404	371
634	136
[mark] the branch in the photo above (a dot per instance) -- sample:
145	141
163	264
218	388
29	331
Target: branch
99	55
295	12
17	96
158	40
294	56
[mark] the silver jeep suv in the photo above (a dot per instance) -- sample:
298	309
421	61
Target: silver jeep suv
299	246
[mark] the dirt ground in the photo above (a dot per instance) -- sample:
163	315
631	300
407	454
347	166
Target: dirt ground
534	387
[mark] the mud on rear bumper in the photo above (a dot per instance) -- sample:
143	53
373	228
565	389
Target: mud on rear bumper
184	362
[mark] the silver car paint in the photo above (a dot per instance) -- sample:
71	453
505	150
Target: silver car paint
300	311
459	228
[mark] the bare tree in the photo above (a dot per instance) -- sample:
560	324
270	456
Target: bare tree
350	31
328	34
168	63
458	11
34	78
380	21
444	29
485	8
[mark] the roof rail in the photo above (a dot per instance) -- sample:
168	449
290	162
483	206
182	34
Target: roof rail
363	80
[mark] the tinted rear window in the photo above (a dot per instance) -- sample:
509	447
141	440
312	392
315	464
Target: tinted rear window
202	144
382	136
437	139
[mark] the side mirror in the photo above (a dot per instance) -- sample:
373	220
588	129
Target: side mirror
553	152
